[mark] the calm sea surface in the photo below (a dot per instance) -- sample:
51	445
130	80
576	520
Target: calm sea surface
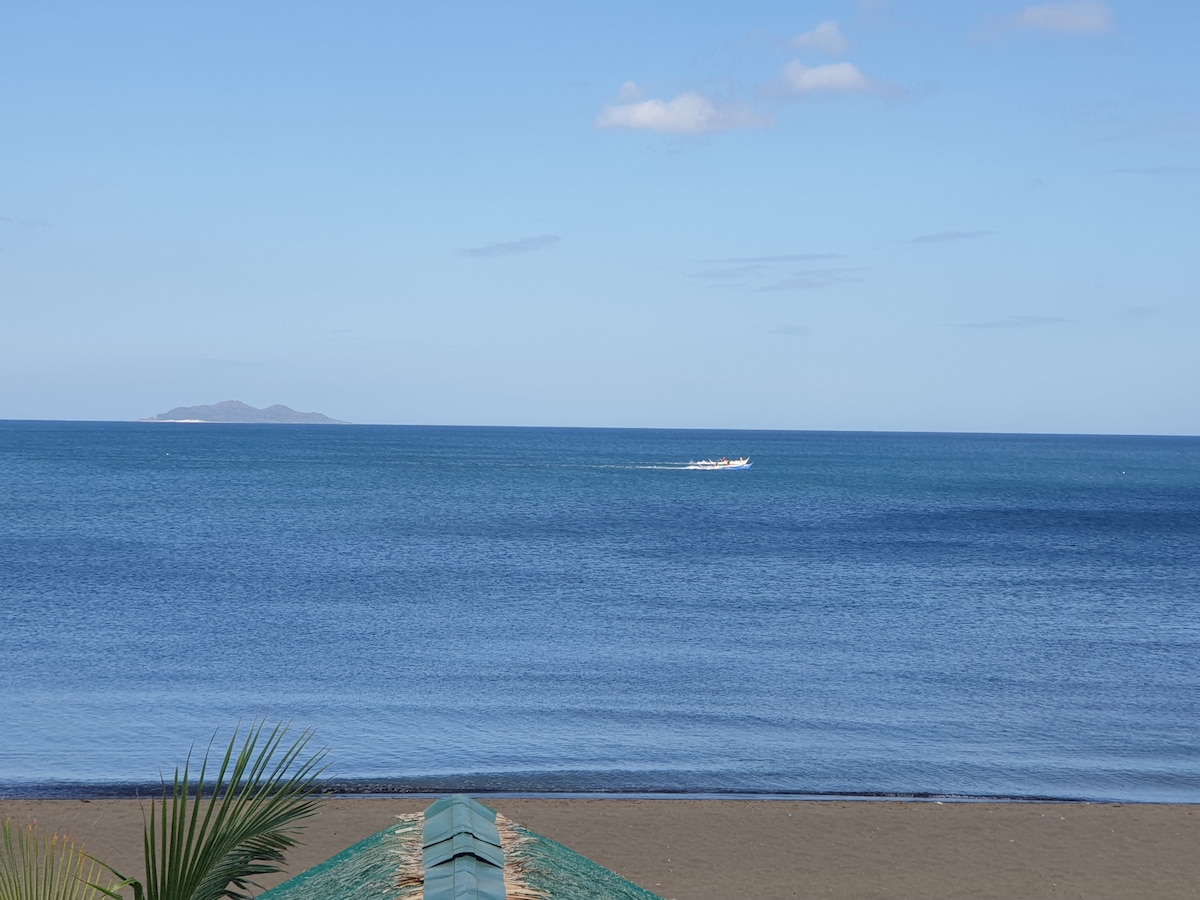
572	610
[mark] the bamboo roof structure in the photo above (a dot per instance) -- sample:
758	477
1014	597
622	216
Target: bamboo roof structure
458	849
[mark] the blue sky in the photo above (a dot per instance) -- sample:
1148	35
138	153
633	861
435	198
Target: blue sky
873	215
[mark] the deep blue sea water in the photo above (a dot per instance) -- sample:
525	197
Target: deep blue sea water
538	609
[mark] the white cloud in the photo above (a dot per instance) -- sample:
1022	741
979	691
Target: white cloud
835	78
689	113
826	38
629	92
1078	17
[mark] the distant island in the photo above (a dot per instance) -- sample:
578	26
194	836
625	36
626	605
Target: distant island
236	412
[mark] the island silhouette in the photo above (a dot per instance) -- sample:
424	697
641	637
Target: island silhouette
239	413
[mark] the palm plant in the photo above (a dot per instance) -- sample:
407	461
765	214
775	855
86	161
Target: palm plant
209	841
203	841
33	867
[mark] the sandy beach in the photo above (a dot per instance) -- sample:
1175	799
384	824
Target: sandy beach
718	849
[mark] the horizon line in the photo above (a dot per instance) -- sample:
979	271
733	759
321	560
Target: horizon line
344	424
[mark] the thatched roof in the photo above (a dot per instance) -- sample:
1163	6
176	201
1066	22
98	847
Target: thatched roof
458	849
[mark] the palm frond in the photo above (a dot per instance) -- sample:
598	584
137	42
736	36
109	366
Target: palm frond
210	840
36	867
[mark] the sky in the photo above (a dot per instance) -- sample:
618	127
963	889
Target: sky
879	215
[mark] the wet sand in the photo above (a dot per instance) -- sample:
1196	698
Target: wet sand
767	849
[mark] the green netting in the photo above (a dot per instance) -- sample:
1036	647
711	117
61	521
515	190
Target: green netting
368	869
387	866
560	873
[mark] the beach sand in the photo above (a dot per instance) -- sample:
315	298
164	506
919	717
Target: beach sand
722	849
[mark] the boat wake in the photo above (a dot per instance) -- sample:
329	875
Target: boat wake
695	465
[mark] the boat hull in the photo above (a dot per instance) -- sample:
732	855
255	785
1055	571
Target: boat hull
721	465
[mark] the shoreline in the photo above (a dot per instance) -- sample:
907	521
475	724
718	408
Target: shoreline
486	785
691	849
384	791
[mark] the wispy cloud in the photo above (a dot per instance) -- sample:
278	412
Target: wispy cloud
1016	322
731	276
812	280
799	81
1158	171
506	248
1150	124
826	38
1074	17
947	237
689	113
791	330
756	273
782	258
832	78
25	223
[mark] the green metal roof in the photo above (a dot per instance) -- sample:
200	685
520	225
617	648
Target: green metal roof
462	855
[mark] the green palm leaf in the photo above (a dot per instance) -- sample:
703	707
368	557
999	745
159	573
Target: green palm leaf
210	840
34	867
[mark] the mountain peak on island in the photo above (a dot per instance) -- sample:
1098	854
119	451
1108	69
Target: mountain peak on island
237	412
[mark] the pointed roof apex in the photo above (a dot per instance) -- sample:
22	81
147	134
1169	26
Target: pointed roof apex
458	849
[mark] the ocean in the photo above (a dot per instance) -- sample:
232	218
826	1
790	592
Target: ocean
544	610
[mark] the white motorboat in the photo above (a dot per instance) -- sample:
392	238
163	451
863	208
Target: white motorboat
721	465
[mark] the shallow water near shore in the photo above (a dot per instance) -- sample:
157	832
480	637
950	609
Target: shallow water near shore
573	610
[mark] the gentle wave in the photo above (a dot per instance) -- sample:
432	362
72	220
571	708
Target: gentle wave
860	615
